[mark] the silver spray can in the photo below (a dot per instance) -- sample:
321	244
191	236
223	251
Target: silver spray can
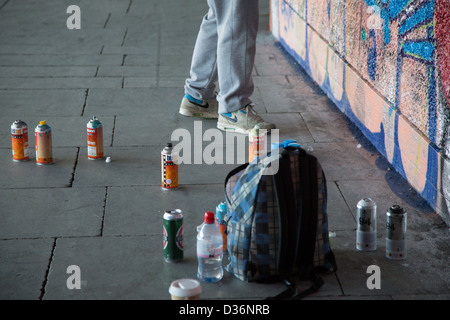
19	137
396	233
366	230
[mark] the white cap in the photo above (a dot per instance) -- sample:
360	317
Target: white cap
185	288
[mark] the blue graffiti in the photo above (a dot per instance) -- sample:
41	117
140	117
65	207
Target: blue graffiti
419	16
403	17
419	50
411	15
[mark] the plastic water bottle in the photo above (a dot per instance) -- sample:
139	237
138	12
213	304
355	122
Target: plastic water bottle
209	250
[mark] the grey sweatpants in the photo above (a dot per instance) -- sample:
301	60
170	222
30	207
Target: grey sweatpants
225	52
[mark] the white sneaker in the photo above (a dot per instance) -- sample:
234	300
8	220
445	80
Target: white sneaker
242	121
191	107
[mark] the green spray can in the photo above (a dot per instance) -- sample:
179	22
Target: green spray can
173	235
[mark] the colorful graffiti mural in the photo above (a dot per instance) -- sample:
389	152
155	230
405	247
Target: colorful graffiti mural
386	65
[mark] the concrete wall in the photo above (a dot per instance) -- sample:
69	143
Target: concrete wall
386	65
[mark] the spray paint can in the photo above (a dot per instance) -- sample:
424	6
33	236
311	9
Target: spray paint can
396	233
43	135
173	235
366	230
19	139
169	168
94	139
221	220
256	143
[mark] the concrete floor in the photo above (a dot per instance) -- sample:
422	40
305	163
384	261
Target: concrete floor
127	65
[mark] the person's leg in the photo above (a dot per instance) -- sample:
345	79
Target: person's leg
199	99
237	25
203	73
225	51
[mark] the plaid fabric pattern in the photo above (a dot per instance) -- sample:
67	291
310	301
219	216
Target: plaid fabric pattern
263	255
244	237
254	228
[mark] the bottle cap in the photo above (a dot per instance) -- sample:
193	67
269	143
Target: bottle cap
396	209
366	203
222	206
185	288
288	142
42	123
209	217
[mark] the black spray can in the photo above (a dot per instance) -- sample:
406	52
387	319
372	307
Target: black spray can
396	233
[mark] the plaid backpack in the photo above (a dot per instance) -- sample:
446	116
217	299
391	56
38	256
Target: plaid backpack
277	222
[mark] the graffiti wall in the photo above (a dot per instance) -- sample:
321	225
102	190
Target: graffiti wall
386	65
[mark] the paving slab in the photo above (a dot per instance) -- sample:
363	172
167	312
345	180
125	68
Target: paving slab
133	101
412	276
142	166
61	83
334	157
146	130
150	58
288	98
51	212
60	59
30	175
23	268
292	127
340	216
41	71
143	82
126	71
42	102
328	126
138	210
126	268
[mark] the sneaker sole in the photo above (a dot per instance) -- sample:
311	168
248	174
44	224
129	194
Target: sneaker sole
231	128
236	129
205	115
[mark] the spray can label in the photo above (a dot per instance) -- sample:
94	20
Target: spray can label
43	135
396	233
221	219
169	169
366	230
256	143
19	139
173	235
95	139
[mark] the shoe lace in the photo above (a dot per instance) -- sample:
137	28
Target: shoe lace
252	113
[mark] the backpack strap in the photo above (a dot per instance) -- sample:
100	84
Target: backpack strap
307	223
229	185
287	216
299	222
